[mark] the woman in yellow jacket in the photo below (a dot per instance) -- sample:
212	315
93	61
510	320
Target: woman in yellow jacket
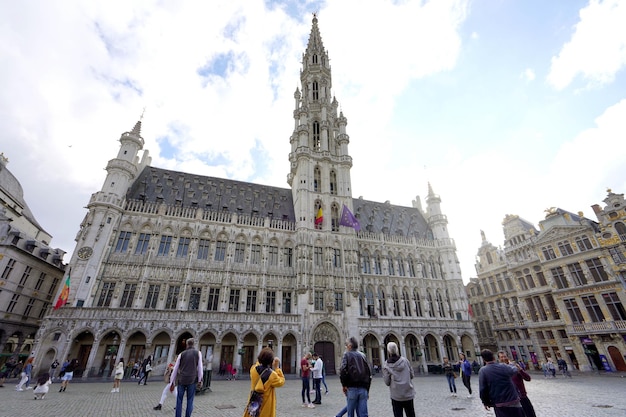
265	377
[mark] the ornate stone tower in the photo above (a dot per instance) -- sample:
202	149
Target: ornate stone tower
320	163
94	240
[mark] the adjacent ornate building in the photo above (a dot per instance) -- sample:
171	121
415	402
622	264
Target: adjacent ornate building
557	291
162	256
31	270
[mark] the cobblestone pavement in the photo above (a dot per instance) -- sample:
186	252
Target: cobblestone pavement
580	396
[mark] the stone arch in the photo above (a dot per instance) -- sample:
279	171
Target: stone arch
431	349
450	347
467	346
325	340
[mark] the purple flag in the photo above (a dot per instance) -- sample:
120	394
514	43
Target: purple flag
348	219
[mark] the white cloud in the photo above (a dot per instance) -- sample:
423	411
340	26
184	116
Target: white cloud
77	75
597	49
528	74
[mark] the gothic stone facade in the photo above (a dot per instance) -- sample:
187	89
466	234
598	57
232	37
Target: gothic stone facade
163	256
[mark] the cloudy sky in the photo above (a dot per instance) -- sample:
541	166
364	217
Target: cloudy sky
504	106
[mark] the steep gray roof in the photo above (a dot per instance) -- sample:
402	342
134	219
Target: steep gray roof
210	193
390	219
219	194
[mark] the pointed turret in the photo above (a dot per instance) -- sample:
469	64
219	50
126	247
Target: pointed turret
320	162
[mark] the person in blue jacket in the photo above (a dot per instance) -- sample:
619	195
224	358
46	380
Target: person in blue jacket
466	373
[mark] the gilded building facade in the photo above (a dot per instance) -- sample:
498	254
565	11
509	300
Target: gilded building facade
162	256
31	270
556	291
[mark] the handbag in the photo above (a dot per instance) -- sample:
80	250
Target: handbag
148	367
256	398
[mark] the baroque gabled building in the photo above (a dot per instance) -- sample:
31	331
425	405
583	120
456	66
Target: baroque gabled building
31	270
162	256
556	291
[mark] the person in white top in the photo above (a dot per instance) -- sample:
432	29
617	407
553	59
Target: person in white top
317	378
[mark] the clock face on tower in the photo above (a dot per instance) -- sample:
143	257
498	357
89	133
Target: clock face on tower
85	252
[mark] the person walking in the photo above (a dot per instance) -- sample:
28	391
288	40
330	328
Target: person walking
26	374
53	368
398	375
356	377
496	388
265	377
305	375
187	373
167	377
324	375
68	374
551	367
317	378
466	373
118	374
563	367
146	368
448	371
518	380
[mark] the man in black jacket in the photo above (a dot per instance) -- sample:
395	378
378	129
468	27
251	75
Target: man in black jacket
356	377
496	387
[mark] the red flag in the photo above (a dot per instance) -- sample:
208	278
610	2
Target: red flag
319	218
469	310
65	293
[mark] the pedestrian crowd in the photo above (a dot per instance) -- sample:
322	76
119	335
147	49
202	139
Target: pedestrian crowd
501	381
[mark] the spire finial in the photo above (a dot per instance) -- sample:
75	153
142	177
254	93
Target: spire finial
142	113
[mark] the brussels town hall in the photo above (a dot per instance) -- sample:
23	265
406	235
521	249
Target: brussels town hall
163	256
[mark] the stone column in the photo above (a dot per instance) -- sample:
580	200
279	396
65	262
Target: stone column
92	357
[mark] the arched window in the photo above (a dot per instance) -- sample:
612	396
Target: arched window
369	296
621	230
317	180
401	266
407	303
314	59
377	268
316	136
440	306
411	267
316	91
365	262
382	302
390	268
418	304
333	183
334	217
396	304
449	303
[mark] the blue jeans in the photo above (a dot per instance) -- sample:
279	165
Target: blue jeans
357	401
451	383
306	387
191	393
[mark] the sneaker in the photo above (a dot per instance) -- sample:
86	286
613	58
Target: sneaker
158	407
454	395
326	393
469	396
19	389
304	405
311	405
35	397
